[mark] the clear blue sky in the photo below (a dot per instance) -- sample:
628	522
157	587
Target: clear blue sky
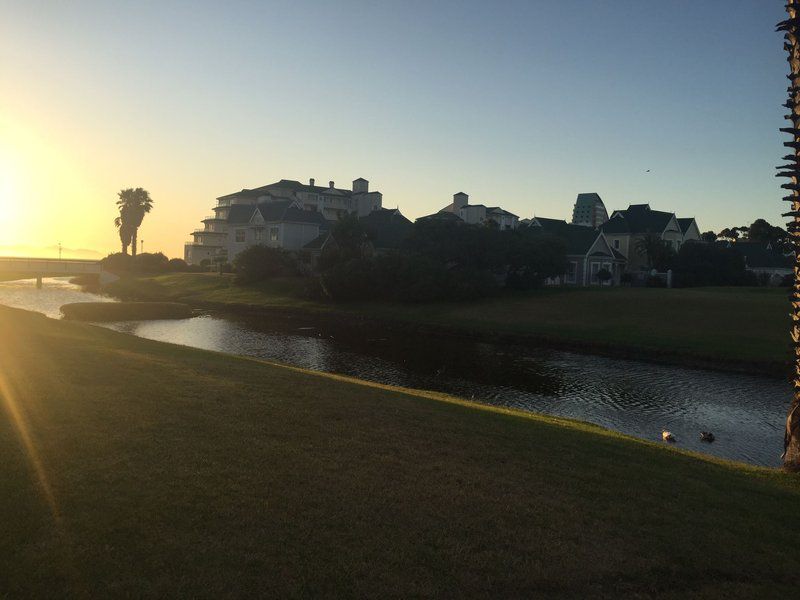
521	104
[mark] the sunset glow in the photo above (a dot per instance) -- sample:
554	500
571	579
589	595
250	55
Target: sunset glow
85	113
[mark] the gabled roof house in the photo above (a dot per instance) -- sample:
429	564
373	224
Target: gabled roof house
588	252
626	227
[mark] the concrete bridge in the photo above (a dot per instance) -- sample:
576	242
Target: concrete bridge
53	267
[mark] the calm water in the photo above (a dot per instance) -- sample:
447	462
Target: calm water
745	413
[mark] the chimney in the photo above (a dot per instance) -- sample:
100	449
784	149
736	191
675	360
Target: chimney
330	184
311	182
460	200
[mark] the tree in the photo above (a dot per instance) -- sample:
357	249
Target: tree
659	254
533	257
133	204
122	223
709	237
762	231
791	439
730	234
351	237
710	264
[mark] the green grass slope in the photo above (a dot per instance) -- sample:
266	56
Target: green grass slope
133	468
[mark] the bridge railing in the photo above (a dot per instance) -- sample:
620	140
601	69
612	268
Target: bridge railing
48	266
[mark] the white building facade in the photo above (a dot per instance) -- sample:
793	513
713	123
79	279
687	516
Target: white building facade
287	214
480	214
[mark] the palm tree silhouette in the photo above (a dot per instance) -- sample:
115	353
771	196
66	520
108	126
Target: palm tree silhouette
133	204
791	29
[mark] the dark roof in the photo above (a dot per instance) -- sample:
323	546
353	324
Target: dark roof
318	242
285	210
616	224
579	238
498	210
550	223
272	212
442	215
241	213
638	218
684	224
757	255
387	227
285	184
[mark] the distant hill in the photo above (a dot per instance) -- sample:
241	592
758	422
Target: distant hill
49	252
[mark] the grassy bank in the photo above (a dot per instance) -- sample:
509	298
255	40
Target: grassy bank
135	468
125	311
747	325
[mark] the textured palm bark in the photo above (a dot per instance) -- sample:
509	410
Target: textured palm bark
791	170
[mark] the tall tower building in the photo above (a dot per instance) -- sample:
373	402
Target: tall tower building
589	211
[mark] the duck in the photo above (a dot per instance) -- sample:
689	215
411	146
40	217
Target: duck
667	436
707	436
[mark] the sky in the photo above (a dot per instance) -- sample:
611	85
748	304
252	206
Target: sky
519	104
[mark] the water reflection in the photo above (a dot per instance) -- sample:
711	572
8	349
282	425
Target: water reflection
55	293
745	413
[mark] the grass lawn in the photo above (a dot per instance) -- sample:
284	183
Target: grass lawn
741	324
212	287
135	468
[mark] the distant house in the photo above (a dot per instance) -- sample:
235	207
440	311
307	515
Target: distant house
475	214
286	214
763	259
387	229
626	227
588	252
589	211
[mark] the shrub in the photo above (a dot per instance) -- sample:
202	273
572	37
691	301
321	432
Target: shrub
710	264
177	265
258	263
148	262
117	263
350	280
603	275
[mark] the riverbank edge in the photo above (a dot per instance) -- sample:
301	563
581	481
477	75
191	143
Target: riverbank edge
332	316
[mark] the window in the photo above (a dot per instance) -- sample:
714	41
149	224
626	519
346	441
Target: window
572	271
273	234
240	235
616	244
593	270
259	235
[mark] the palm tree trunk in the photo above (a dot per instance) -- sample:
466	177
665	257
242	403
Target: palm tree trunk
791	27
133	241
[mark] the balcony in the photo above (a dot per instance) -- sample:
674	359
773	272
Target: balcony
202	245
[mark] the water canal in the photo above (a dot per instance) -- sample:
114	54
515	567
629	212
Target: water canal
746	413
